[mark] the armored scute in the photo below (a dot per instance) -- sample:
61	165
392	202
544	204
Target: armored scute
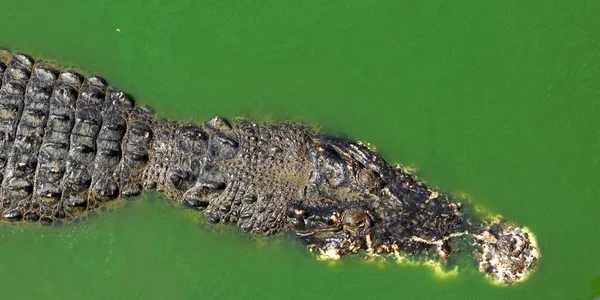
70	144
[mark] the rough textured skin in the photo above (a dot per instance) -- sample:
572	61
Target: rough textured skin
69	144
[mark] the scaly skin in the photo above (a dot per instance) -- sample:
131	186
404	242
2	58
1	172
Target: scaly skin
70	144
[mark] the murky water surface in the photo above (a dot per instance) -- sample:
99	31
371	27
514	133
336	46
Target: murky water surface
497	101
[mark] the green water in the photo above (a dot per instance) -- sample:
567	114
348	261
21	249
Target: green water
496	99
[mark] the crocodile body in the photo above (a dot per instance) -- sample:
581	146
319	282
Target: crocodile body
70	143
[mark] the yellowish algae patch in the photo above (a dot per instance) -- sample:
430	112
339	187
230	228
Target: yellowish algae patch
332	257
436	266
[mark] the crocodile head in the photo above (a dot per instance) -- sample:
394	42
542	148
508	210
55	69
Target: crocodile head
355	202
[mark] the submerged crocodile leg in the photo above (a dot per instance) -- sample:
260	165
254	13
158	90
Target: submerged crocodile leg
70	143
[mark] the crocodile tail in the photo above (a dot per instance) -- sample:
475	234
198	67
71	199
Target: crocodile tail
68	143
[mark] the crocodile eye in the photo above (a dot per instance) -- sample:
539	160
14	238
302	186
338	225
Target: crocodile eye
355	220
368	179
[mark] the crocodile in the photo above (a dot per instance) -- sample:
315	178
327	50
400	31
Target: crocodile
70	143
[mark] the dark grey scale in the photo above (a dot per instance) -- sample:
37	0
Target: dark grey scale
228	199
174	155
204	187
234	199
217	141
12	98
113	126
331	166
137	143
246	216
79	166
260	216
3	61
250	142
226	204
22	164
87	121
273	222
249	132
265	222
108	155
2	68
136	155
261	224
75	183
209	185
275	143
244	212
192	139
184	176
248	207
55	145
262	210
223	143
107	171
262	153
93	93
190	173
105	177
234	210
247	225
187	163
218	200
155	174
12	93
296	141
